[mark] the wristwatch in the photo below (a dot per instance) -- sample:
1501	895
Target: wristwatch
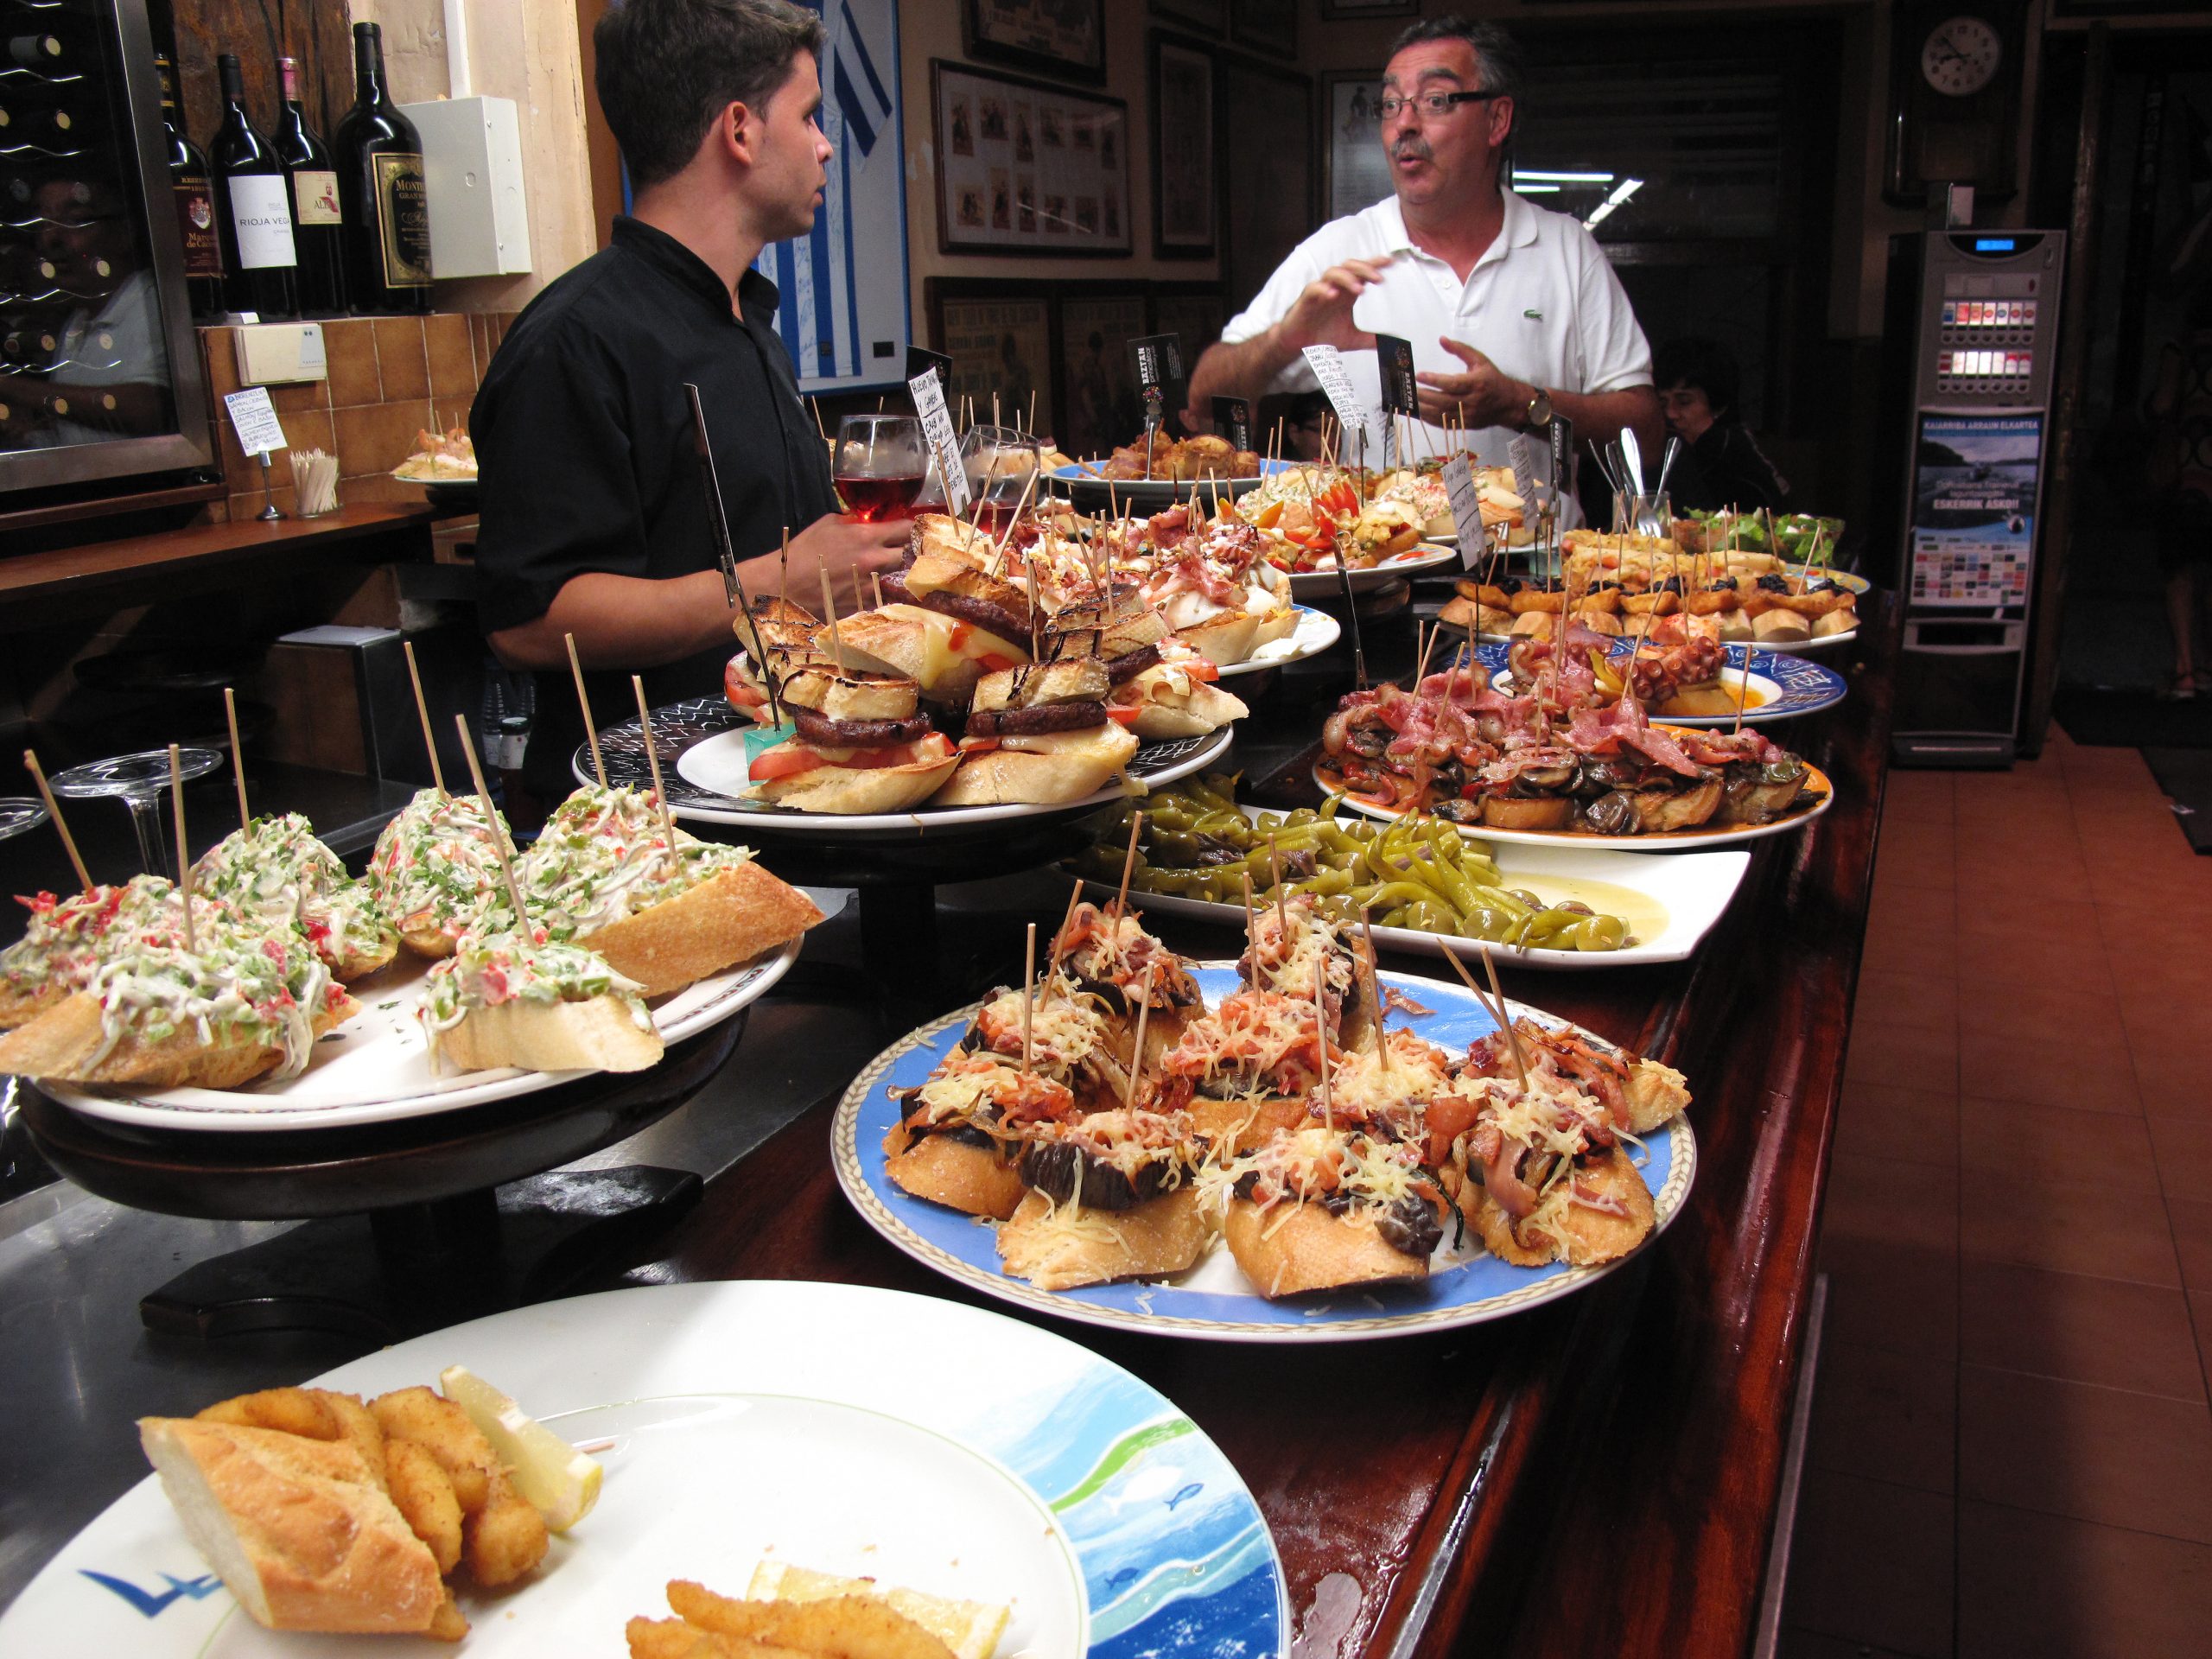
1539	412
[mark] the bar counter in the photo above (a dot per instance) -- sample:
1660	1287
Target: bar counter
1601	1475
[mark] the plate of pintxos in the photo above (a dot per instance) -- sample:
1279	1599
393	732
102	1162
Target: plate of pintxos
1701	683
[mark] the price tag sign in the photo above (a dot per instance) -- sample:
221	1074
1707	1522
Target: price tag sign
1232	418
1394	362
1466	507
1562	437
920	360
1335	385
1521	450
255	416
943	442
1158	359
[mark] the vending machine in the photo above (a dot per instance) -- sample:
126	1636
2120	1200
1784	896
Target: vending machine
1984	328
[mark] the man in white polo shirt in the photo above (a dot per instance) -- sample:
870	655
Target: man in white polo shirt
1512	310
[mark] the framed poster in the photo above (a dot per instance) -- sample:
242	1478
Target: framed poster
1209	15
1057	37
1183	172
1104	407
1267	148
1337	10
1025	167
843	318
1269	26
999	335
1355	169
1194	314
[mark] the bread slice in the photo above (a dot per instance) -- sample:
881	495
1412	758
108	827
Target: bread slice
1060	1248
1224	640
594	1034
20	1005
857	790
731	917
1208	709
296	1528
1311	1249
64	1044
1042	770
973	1179
1561	1231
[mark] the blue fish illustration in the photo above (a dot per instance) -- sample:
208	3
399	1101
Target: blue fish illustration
148	1603
1189	1491
1116	1579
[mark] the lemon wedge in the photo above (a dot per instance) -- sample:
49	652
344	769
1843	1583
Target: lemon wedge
970	1629
561	1481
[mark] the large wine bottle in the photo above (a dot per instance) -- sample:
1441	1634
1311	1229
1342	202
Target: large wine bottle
193	192
253	208
380	176
318	221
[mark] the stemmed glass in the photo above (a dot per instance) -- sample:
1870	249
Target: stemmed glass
1001	462
139	779
19	813
880	462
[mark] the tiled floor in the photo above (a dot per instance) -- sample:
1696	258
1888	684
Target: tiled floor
2012	1451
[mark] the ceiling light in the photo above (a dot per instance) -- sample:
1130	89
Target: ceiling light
1562	178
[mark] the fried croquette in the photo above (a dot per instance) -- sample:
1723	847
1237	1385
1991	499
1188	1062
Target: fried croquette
448	1623
423	1492
505	1539
304	1412
355	1424
853	1627
441	1429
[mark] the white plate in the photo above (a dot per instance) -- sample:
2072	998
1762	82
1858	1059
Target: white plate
1154	493
1328	584
1316	631
1694	892
376	1067
716	768
1214	1300
1724	835
1763	688
852	1430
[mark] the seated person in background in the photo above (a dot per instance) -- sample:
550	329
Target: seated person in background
1721	465
1306	423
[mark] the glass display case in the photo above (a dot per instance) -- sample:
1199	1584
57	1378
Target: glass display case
100	377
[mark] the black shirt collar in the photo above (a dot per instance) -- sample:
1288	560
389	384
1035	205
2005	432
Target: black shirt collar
756	296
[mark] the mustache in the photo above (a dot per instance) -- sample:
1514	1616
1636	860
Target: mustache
1415	148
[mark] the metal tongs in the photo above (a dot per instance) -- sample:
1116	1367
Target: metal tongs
718	526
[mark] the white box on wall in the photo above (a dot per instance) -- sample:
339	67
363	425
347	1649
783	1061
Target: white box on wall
473	175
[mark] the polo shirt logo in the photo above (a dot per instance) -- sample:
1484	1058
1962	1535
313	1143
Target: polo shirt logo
1533	312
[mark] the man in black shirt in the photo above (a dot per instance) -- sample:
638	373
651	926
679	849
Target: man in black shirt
594	519
1722	465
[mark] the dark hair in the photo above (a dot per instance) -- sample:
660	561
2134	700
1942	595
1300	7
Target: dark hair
1693	360
1498	56
668	69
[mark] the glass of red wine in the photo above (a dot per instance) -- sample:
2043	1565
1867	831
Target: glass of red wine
880	463
1000	462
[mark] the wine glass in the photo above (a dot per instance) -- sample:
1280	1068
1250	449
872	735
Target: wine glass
139	779
19	813
880	461
1000	462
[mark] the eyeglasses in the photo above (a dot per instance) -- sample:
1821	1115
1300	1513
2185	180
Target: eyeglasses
1433	106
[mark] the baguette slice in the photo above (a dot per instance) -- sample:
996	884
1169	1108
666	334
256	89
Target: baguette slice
63	1043
731	917
1058	766
1311	1249
596	1033
1056	1249
973	1179
296	1528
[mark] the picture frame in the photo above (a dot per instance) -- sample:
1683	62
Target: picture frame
1267	26
1195	313
1102	406
1186	192
1268	147
1209	17
1066	38
1002	336
1025	167
1355	171
1337	11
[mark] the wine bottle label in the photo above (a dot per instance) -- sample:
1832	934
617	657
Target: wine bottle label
195	217
263	218
402	208
314	198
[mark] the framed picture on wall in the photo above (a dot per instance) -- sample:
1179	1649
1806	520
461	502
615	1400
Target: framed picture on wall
1194	313
1057	37
999	335
1183	171
1269	26
1102	407
1267	148
1337	10
1025	167
1355	171
1209	15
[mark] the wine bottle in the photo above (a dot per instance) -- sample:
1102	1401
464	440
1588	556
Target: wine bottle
318	221
43	52
380	176
253	209
194	193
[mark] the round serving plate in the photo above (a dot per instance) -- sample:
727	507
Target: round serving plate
1425	557
1082	484
704	763
1214	1300
1316	632
1785	686
1817	785
376	1067
853	1431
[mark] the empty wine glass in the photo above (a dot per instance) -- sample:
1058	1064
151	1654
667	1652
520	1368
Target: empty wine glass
879	461
1000	462
139	779
19	813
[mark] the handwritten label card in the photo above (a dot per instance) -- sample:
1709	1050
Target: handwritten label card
943	442
1335	385
255	417
1466	507
1521	450
1232	418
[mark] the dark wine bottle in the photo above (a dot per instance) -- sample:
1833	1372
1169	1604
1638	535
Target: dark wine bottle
43	52
253	209
193	192
380	176
318	221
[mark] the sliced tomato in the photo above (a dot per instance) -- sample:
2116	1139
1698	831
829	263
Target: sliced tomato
1200	669
959	636
784	760
1127	716
994	664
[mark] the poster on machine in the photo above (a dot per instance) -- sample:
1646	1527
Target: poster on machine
1974	506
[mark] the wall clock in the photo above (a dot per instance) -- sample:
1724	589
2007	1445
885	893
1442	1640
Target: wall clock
1955	96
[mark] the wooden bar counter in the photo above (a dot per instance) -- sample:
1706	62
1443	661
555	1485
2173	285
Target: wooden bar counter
1600	1476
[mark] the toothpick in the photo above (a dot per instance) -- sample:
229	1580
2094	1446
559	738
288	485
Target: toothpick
652	759
1020	504
1374	993
1059	939
583	701
1505	1018
1742	690
995	408
814	403
1136	1050
1251	928
422	712
1321	1043
1495	1012
783	572
183	851
61	829
492	821
829	622
876	587
238	758
1283	911
1032	411
1028	976
1421	669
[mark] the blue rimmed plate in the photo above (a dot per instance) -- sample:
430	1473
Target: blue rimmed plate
1214	1300
851	1430
1785	687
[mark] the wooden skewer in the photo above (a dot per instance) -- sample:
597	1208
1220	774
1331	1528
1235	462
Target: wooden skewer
829	622
1421	669
583	701
1321	1044
53	811
995	408
1136	1050
1075	898
814	403
876	587
1743	688
183	849
1505	1017
1497	1014
652	759
1021	506
1375	992
1128	865
784	568
1251	928
491	821
238	758
1032	411
422	712
1028	980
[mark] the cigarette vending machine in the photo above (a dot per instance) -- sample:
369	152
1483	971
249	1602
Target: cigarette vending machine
1984	328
